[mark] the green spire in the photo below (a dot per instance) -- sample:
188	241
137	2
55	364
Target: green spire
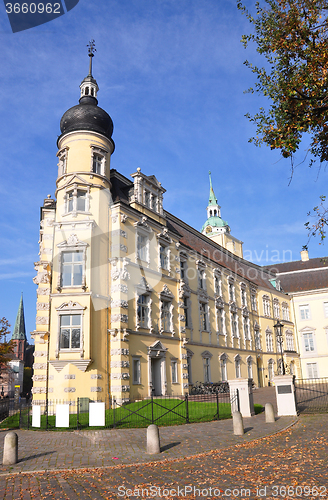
19	329
212	199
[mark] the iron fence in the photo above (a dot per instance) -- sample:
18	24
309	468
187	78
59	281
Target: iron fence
159	410
311	395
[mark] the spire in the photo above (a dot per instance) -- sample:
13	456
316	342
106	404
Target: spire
212	199
19	329
89	86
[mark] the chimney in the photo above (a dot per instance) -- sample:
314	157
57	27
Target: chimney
304	255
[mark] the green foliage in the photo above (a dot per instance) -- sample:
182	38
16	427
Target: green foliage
6	348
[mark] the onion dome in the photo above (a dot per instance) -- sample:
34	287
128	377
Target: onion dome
87	115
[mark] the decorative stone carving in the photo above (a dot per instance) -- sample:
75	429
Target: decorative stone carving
184	341
39	378
185	367
95	376
42	277
43	291
125	335
119	318
120	388
40	366
119	352
182	317
120	303
119	364
184	355
42	320
96	389
124	218
119	246
69	389
69	377
41	390
43	306
186	386
118	232
39	354
120	376
114	218
119	288
185	375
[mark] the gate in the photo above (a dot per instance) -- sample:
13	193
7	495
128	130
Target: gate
311	395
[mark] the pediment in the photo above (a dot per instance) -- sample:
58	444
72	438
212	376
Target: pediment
76	179
70	306
72	241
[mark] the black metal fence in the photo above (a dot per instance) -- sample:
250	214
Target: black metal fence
311	395
161	410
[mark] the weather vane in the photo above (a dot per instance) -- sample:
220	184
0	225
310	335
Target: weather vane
91	50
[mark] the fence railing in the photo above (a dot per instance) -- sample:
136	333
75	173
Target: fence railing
311	395
160	410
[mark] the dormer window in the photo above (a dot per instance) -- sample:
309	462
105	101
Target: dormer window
147	191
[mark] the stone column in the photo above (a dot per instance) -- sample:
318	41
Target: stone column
244	386
285	394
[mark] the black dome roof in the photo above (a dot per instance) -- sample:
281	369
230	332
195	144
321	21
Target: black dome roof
87	115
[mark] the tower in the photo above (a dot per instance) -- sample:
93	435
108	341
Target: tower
73	270
218	229
19	335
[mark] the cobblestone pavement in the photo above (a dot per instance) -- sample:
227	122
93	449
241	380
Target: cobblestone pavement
295	458
41	450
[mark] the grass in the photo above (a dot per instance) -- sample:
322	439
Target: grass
164	412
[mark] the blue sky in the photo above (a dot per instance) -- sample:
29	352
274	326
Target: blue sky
171	76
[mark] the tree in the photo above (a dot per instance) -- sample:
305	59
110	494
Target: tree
6	348
292	35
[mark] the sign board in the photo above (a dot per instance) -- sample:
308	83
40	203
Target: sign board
284	389
97	414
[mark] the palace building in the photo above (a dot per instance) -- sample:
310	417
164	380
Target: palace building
133	301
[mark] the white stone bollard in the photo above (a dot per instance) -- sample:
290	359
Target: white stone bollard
153	444
238	425
10	449
269	413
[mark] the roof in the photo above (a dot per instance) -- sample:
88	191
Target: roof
298	276
194	240
214	221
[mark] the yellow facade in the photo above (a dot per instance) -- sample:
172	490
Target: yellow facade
131	300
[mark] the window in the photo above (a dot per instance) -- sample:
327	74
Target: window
166	316
136	371
305	312
70	331
201	279
237	366
285	311
276	309
142	247
174	371
271	369
246	328
164	257
220	320
143	311
308	342
217	284
77	200
243	297
290	341
266	306
269	341
147	199
223	366
183	269
231	291
258	345
72	268
234	324
186	311
253	302
203	316
312	369
249	367
97	164
325	305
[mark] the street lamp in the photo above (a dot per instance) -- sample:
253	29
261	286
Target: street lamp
278	329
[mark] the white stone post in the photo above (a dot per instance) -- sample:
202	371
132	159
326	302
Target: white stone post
238	425
246	404
10	449
153	444
269	413
285	394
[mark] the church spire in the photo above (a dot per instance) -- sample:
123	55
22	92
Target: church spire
19	329
212	199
